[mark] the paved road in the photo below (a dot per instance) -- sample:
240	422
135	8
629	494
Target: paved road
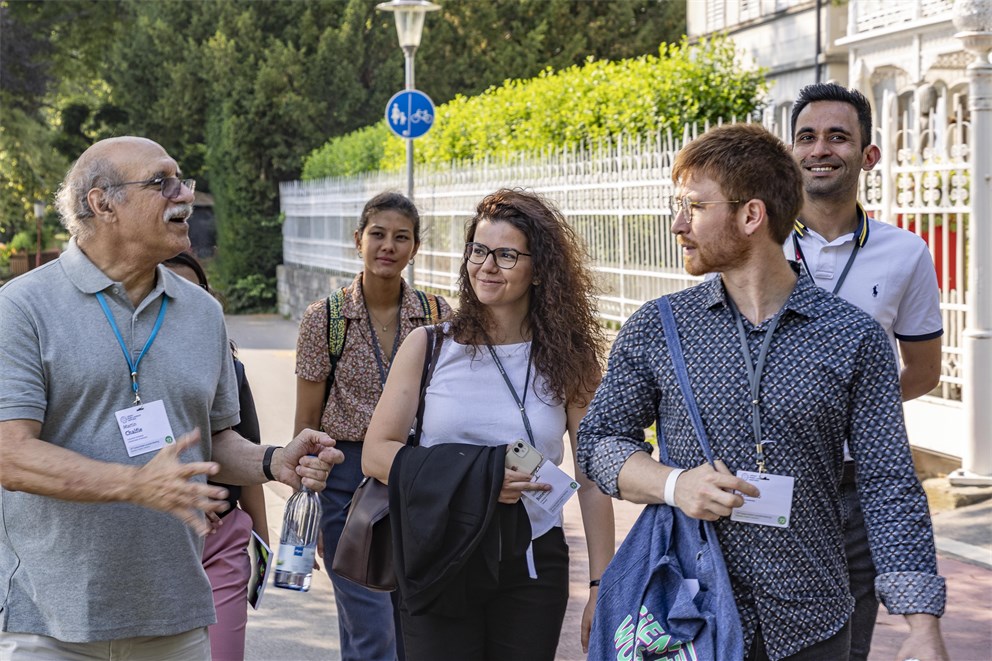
293	626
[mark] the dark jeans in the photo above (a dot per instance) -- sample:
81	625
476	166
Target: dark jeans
860	568
362	614
520	622
835	648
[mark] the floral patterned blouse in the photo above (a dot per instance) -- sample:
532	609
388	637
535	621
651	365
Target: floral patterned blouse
356	387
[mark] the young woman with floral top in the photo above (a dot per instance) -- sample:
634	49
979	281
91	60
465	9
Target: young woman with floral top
379	310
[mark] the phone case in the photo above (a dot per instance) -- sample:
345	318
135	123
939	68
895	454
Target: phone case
523	457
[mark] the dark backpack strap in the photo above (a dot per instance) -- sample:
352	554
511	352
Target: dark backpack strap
337	330
428	303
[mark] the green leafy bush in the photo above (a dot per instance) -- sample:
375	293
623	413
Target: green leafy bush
640	96
358	151
252	293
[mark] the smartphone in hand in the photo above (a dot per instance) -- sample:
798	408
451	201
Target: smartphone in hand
522	456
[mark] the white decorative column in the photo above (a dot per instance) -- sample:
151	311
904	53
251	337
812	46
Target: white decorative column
973	19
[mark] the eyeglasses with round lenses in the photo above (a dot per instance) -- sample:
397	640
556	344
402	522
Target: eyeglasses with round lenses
171	187
685	205
505	258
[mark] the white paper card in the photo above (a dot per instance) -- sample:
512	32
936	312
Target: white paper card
145	428
773	507
563	486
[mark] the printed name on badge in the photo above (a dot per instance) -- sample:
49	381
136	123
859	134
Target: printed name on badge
145	428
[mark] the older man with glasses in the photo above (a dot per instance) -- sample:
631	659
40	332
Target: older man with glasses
117	398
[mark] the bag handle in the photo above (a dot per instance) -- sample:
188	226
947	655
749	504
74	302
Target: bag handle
682	375
431	351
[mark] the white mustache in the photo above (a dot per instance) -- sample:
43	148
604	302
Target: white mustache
183	210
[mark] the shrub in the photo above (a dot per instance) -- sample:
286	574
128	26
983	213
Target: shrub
639	96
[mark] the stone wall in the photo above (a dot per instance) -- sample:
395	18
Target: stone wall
299	286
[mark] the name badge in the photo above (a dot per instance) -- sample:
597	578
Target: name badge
563	487
145	428
773	507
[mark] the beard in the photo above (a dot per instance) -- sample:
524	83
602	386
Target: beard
728	251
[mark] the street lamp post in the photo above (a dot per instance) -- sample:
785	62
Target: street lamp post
409	16
39	215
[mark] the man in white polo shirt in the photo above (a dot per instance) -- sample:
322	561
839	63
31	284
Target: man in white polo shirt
884	270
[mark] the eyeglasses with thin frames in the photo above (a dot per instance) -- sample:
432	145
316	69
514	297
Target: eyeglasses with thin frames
505	258
170	187
685	205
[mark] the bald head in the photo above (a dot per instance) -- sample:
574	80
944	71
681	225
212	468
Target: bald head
104	164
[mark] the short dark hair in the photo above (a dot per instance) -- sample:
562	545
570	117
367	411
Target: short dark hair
834	92
748	163
390	201
187	260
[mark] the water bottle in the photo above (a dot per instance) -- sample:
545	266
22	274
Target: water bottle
298	543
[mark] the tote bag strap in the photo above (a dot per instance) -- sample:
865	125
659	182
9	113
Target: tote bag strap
681	374
431	352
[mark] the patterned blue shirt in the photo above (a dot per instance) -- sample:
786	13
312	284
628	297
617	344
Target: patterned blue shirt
830	376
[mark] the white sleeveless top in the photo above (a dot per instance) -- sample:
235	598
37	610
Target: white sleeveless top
468	401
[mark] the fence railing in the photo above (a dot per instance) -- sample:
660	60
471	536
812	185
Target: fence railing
615	193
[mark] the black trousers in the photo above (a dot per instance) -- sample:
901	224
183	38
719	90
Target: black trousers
835	648
521	621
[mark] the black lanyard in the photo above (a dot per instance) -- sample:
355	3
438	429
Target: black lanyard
513	391
847	267
383	371
754	372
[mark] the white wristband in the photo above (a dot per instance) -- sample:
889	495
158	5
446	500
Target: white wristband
670	485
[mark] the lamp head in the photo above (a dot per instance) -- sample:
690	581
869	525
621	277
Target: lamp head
409	15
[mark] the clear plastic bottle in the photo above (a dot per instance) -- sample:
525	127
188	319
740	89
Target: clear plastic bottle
298	543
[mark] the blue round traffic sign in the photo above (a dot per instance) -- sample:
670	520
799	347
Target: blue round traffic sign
410	114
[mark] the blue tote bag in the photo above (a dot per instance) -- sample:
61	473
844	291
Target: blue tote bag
666	594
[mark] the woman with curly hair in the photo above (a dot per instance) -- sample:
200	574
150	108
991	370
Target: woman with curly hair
520	359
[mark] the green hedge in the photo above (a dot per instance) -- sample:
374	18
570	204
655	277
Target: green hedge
683	84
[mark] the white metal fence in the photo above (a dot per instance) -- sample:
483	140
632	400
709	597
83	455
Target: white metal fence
615	193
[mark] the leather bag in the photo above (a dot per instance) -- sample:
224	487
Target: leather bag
365	549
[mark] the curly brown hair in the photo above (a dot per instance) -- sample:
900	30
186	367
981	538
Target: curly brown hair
567	341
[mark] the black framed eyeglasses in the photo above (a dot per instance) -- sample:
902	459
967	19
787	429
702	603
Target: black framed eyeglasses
171	187
685	205
505	258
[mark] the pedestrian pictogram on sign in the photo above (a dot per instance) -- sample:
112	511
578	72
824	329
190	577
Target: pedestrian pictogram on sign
410	114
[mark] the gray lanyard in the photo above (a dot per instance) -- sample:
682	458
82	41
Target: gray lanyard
843	274
383	370
513	391
754	374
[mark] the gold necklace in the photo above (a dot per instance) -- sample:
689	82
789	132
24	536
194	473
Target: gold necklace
383	327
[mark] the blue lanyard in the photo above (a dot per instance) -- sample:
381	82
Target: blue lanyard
120	340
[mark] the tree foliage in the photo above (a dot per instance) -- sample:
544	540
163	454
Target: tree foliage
50	95
239	92
638	96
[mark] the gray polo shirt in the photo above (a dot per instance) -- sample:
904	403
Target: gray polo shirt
84	572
